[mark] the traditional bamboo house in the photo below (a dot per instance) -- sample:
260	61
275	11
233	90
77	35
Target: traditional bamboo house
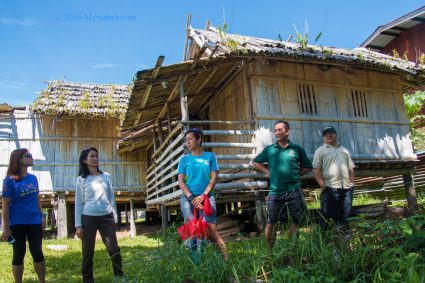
65	118
235	87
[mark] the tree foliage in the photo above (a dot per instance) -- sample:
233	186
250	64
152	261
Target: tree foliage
414	103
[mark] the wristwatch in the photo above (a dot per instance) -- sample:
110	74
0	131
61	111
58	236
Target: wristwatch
190	198
43	214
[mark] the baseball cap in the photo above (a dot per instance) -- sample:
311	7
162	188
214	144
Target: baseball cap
328	129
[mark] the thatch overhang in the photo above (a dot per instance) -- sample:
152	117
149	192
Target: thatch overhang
82	99
152	95
215	58
234	45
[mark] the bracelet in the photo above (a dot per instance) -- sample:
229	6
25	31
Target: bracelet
190	198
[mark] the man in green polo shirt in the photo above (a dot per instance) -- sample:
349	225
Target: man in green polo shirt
287	162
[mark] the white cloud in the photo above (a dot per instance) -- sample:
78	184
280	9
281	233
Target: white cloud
17	22
105	66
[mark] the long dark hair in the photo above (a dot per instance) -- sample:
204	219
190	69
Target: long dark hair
14	168
84	169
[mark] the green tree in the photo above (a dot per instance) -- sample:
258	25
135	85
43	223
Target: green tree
414	103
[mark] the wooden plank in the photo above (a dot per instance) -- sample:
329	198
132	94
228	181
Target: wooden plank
148	90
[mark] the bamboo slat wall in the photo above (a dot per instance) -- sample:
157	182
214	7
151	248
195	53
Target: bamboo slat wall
56	143
364	106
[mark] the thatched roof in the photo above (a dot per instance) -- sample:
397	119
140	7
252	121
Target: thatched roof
5	108
82	99
214	60
238	45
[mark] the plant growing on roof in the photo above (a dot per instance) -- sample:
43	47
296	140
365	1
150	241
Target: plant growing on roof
85	103
227	40
302	39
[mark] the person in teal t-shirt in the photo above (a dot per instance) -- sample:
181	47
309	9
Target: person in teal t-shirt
287	162
197	174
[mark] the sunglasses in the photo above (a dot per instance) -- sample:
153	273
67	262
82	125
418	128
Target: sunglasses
28	155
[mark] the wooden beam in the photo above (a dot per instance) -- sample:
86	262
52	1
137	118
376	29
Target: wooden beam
183	102
148	89
167	106
206	80
188	19
198	56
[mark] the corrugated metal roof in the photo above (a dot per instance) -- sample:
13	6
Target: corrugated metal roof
386	33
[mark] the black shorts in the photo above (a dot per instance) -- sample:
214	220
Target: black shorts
288	207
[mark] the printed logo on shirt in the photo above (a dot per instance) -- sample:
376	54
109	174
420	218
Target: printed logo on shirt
28	189
291	152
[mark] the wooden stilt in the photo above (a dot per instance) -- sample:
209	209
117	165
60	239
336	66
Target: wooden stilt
62	217
409	188
132	223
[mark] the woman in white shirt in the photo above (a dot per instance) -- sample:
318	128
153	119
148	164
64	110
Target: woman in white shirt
95	210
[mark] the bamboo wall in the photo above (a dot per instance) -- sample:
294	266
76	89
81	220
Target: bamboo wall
232	103
56	143
364	106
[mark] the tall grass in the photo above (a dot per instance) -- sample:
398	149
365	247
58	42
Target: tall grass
381	251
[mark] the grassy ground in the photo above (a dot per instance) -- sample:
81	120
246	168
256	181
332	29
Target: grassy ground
382	251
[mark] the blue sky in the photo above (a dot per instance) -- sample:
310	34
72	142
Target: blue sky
105	41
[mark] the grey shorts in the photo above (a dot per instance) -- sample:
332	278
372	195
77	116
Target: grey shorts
187	210
287	207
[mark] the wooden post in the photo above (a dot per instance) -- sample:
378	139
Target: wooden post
260	213
62	217
154	139
119	218
126	215
184	109
183	104
168	118
409	188
160	132
164	218
132	224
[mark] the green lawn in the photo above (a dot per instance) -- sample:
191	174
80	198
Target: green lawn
382	252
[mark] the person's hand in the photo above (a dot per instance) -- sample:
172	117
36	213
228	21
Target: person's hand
79	232
322	188
198	201
6	233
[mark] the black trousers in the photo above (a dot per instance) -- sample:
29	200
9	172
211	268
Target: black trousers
107	228
34	234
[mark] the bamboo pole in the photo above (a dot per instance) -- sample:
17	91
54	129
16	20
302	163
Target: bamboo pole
168	139
331	119
188	19
148	89
216	122
154	167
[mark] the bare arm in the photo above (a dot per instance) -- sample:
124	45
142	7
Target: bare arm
198	201
260	167
186	190
304	170
351	174
5	217
319	178
43	218
183	186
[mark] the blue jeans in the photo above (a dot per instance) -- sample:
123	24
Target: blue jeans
187	210
335	205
